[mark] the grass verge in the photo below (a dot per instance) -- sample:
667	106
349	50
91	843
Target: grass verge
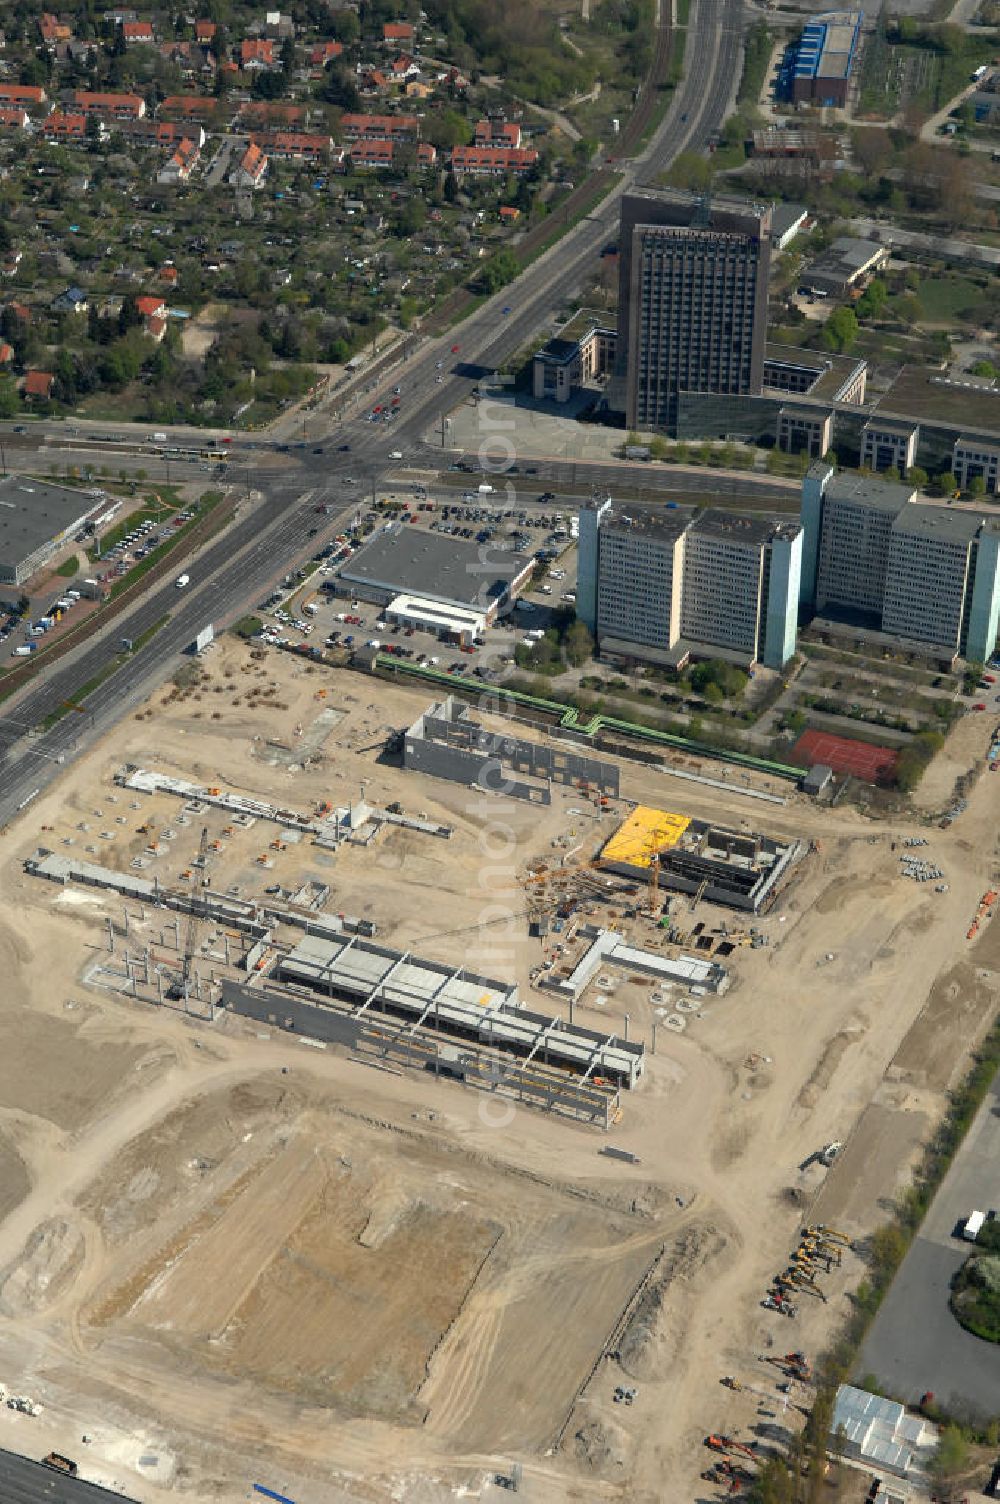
209	501
55	716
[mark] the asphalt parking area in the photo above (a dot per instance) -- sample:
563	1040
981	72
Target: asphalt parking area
915	1344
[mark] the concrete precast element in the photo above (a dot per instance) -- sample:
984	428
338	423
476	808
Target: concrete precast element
356	821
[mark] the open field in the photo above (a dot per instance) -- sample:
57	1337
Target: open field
229	1257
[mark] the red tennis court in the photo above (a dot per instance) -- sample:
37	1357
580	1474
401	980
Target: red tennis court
845	755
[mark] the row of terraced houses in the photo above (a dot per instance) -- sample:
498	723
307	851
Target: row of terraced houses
370	140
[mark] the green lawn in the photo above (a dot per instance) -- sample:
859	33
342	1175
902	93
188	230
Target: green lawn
69	567
951	297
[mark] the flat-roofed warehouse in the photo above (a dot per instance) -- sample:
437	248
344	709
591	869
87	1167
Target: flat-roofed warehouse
733	867
406	561
36	519
825	58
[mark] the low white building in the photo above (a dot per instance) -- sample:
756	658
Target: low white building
456	623
870	1429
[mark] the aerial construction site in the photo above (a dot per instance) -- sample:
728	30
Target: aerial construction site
399	1102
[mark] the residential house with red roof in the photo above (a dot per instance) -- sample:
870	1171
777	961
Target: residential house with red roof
398	34
251	168
295	146
498	133
151	306
13	118
373	81
25	95
380	127
110	106
371	153
53	30
138	32
264	113
325	53
257	52
188	107
178	168
38	386
6	353
492	161
65	126
204	32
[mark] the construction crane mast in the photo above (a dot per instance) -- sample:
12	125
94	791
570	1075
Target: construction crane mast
191	931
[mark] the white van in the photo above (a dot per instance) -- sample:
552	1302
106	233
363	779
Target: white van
182	580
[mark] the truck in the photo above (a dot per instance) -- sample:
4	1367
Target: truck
395	454
970	1230
60	1464
158	438
485	490
182	580
28	647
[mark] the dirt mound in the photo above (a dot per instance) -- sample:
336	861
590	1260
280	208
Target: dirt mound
601	1445
51	1257
642	1351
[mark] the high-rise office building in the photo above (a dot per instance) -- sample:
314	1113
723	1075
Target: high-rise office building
656	585
692	300
876	558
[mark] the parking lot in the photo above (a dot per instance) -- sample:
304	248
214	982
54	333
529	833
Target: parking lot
916	1344
313	610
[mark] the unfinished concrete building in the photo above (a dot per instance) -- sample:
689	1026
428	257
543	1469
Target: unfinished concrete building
446	742
741	869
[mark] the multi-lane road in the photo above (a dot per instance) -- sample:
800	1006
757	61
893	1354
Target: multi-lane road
232	572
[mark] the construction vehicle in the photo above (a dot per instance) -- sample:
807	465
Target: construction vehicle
732	1383
821	1231
795	1365
60	1464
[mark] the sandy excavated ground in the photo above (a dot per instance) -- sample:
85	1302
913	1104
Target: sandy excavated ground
226	1257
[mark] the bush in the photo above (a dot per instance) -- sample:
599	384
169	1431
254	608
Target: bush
717	680
915	758
248	626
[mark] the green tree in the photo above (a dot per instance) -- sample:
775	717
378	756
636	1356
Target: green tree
946	482
840	331
346	27
977	486
917	477
498	271
578	644
951	1457
9	403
